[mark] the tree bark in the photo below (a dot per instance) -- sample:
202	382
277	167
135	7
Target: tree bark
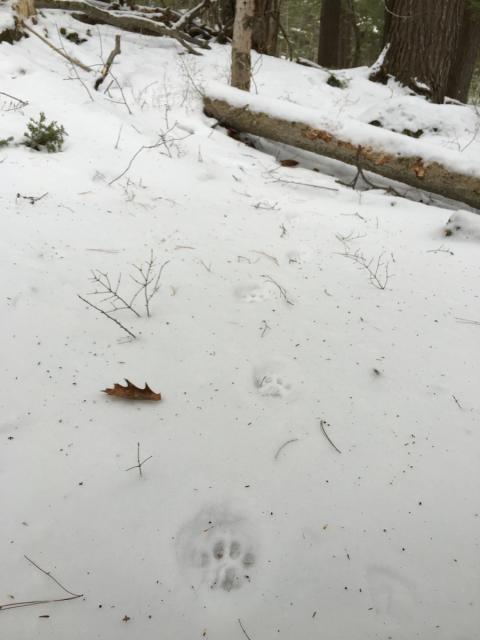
329	38
24	9
422	38
266	23
242	44
266	26
467	53
412	170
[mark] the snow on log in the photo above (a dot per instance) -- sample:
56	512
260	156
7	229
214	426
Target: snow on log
392	155
123	20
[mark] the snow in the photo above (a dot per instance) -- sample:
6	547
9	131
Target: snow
464	225
264	336
6	17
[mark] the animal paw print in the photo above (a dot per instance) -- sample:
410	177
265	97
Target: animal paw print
273	385
253	293
228	564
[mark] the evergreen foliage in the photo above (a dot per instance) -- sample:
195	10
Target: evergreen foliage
40	135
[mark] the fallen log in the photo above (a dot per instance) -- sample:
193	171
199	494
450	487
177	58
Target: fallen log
392	155
125	21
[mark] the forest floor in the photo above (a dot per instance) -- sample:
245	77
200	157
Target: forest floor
314	458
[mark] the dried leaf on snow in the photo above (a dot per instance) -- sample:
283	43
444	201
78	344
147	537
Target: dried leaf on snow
132	392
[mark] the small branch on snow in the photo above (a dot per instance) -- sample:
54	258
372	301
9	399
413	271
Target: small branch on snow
106	67
147	276
130	333
322	427
457	402
467	321
103	280
29	603
72	60
31	199
282	447
139	464
303	184
282	290
243	629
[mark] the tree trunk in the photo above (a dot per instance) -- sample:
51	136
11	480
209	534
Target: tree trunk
242	44
329	38
422	38
266	23
24	9
243	112
266	26
468	50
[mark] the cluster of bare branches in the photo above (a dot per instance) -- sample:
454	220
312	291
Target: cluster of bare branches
146	276
11	103
378	268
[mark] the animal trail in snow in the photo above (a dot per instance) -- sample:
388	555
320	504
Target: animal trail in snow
274	379
256	292
217	550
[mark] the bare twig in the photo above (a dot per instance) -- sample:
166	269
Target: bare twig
130	333
280	449
103	280
266	255
14	103
139	464
467	321
147	276
264	328
59	51
31	199
282	290
457	402
29	603
441	249
106	67
304	184
243	629
377	270
322	427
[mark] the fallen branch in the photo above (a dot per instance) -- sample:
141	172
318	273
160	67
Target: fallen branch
126	21
386	153
106	67
71	59
132	335
29	603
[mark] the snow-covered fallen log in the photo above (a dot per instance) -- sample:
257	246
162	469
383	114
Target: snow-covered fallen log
125	20
392	155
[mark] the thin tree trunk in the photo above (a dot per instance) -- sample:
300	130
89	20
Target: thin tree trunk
24	9
422	38
329	38
242	44
266	26
468	50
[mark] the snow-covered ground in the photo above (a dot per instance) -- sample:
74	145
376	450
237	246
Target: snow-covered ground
267	335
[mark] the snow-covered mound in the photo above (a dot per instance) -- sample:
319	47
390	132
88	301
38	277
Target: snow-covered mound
314	458
463	224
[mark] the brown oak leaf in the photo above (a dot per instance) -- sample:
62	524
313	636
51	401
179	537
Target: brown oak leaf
131	392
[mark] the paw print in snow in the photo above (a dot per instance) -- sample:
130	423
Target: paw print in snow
216	550
227	565
273	385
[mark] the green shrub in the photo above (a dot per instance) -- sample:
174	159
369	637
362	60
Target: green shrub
4	142
40	135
